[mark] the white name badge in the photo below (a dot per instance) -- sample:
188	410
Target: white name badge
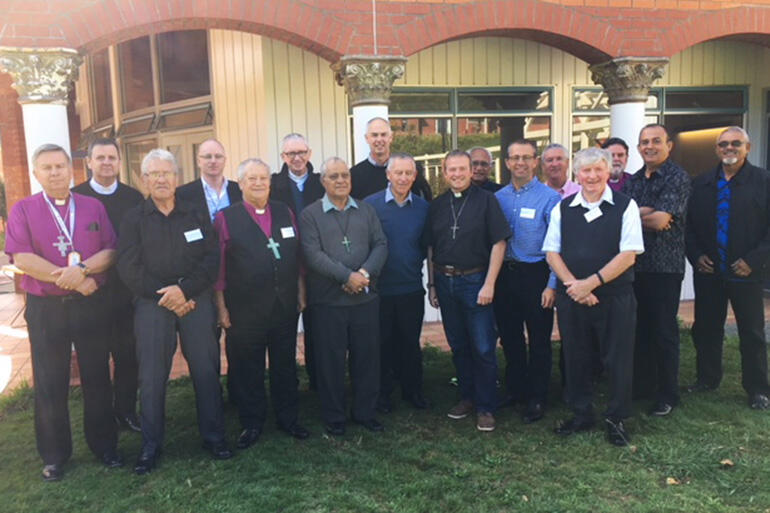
287	232
527	213
593	214
193	235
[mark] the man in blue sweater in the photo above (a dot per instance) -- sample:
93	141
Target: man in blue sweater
403	216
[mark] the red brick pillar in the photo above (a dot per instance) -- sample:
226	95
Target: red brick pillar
14	146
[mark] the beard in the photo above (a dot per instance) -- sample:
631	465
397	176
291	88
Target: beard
729	161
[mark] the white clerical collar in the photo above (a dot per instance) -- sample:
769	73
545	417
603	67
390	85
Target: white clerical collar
101	189
580	200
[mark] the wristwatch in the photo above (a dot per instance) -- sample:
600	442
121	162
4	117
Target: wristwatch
363	271
84	268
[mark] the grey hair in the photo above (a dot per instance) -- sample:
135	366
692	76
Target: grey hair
158	154
556	146
378	118
293	137
49	148
243	166
401	156
328	162
738	129
481	148
590	156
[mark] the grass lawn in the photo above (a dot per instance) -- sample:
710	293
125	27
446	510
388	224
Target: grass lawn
423	462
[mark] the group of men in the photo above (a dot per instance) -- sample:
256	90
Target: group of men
344	248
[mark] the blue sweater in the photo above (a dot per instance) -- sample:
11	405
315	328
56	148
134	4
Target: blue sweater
403	227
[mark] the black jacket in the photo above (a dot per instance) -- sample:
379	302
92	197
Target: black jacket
193	194
281	184
749	230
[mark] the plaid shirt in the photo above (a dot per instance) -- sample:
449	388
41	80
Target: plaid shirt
666	190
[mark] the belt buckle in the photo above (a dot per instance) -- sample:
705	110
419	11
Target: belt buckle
449	270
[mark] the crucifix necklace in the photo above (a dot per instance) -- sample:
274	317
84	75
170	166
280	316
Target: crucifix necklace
456	216
66	233
345	241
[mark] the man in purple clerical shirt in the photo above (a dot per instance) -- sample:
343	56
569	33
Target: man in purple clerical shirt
64	243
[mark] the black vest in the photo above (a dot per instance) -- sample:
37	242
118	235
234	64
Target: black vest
255	278
587	247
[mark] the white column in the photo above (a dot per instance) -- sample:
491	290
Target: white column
44	123
626	121
368	81
361	115
43	78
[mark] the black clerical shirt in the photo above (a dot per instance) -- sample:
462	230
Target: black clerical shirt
156	250
480	224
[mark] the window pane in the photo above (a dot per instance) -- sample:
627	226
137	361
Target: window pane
137	126
694	136
495	133
704	100
503	101
587	131
428	140
134	153
184	65
136	74
186	118
100	73
590	100
419	102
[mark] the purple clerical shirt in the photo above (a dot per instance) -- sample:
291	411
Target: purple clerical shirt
33	229
618	184
265	223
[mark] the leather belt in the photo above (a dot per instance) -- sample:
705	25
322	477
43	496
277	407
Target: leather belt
450	270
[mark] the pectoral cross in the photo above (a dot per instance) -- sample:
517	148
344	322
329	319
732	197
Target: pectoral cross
346	243
62	245
274	246
454	229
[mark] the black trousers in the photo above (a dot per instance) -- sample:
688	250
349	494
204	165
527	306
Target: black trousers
656	354
351	330
307	326
252	335
400	353
122	345
612	323
54	324
518	304
711	296
156	338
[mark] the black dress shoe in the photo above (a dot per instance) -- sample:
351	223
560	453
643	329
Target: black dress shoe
146	462
759	402
418	401
130	422
219	450
52	473
335	428
535	412
372	425
248	437
296	430
111	459
573	425
700	386
616	433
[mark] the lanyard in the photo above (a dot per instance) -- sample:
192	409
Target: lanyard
63	229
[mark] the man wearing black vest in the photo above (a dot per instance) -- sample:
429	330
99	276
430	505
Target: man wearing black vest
592	241
728	245
298	186
369	175
104	162
258	295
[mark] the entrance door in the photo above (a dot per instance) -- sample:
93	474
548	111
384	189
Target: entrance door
185	148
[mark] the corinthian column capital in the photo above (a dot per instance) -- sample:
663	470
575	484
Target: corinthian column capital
41	75
628	79
368	79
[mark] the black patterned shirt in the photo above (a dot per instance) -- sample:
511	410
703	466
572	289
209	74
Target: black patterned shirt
666	190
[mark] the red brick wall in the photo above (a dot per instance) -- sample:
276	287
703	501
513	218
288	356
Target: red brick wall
14	146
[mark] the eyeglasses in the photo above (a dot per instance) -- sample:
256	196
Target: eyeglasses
735	144
208	156
292	154
480	163
160	174
338	176
522	158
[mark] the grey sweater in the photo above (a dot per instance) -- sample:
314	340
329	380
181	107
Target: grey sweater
329	263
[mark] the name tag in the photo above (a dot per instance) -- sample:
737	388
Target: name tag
287	232
527	213
193	235
593	214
